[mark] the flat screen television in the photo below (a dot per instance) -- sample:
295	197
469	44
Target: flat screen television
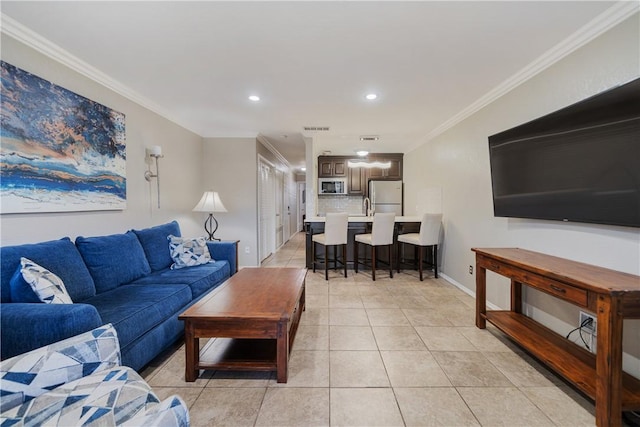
580	163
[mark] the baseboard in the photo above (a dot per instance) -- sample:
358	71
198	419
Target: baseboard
466	290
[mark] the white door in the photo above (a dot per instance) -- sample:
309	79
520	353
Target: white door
302	205
266	209
279	197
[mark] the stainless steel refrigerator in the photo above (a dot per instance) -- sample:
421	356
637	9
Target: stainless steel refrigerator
386	196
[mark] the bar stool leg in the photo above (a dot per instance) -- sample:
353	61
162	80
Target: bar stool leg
420	249
391	261
344	259
313	255
435	260
326	263
355	255
398	248
373	262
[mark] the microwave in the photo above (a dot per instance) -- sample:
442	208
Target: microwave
332	186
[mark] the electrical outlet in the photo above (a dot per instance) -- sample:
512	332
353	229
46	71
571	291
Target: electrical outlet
590	327
471	269
247	249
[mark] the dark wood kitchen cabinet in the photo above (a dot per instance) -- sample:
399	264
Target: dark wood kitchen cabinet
332	166
394	172
357	181
358	178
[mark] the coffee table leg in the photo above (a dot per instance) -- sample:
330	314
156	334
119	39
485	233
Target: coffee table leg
191	353
282	352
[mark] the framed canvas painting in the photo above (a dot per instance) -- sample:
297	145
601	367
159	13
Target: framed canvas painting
59	151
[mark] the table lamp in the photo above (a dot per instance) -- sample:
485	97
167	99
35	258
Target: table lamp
210	203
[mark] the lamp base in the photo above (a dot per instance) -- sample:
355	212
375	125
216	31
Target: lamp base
208	227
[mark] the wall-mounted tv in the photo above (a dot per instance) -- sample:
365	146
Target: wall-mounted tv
580	163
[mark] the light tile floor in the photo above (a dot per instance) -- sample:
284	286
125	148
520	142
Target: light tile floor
394	352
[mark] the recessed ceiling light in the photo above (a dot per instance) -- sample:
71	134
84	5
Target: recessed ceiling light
371	96
303	169
362	153
254	98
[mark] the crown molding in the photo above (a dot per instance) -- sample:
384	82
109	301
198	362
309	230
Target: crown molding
594	28
264	141
30	38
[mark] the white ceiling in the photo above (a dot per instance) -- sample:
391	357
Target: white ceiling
311	63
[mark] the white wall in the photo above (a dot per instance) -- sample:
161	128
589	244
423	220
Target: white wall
458	162
180	168
230	168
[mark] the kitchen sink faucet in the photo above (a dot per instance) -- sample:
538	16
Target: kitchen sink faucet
367	207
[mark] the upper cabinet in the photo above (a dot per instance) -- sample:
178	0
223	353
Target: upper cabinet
357	182
332	166
358	178
394	172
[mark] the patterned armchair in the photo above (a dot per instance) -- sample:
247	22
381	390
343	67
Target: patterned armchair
79	381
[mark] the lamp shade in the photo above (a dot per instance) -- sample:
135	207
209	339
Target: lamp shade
210	202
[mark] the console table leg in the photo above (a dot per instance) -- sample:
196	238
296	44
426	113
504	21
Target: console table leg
191	354
609	363
516	296
481	296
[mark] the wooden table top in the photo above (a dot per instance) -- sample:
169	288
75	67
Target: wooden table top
252	293
584	276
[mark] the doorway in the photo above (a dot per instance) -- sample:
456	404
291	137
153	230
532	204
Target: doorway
266	208
302	204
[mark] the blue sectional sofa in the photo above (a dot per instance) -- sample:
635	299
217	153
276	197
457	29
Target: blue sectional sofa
123	279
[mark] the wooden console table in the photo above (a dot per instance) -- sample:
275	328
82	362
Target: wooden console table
612	295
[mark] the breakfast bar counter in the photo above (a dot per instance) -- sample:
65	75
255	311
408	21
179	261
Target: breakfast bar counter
357	225
367	219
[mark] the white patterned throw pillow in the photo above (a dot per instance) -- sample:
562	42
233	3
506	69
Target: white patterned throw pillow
47	286
187	252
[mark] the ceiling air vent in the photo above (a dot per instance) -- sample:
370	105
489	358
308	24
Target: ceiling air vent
316	128
369	138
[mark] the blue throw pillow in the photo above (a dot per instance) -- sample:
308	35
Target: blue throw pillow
155	245
113	260
60	257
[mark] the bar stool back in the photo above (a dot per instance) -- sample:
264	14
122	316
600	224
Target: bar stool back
381	235
429	236
335	234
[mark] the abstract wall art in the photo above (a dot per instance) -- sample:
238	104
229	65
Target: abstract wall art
59	151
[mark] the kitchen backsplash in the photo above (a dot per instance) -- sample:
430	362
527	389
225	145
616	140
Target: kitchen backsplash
351	204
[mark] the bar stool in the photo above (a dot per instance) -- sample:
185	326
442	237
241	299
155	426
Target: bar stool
381	235
429	236
335	233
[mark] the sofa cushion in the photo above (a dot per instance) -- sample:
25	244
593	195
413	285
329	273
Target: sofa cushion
188	252
155	245
20	290
134	310
47	286
61	257
200	278
113	260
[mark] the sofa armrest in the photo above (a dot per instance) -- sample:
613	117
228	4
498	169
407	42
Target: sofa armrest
29	326
171	412
36	372
228	251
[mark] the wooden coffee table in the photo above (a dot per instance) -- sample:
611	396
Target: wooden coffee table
253	317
